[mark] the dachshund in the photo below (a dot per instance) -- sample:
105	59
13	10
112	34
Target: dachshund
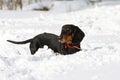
67	43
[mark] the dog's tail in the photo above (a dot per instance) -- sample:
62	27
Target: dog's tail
21	42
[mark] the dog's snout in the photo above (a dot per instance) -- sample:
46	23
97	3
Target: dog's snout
66	39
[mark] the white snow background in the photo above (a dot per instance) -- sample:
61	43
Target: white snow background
99	60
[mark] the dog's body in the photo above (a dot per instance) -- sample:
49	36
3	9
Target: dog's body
51	40
61	46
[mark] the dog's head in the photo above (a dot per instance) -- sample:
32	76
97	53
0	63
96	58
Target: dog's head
67	34
71	34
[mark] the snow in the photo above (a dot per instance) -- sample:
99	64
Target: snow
99	60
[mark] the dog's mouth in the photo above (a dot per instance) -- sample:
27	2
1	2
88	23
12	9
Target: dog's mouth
66	39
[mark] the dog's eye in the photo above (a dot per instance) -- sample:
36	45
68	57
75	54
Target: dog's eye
69	31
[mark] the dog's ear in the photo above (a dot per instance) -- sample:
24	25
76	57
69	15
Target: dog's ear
78	35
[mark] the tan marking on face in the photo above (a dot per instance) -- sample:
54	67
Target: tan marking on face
67	39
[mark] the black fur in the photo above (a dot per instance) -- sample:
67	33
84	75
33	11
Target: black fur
52	41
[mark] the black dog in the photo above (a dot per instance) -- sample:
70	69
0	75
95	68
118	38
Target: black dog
67	43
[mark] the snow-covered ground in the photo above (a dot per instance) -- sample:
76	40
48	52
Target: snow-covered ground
99	60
